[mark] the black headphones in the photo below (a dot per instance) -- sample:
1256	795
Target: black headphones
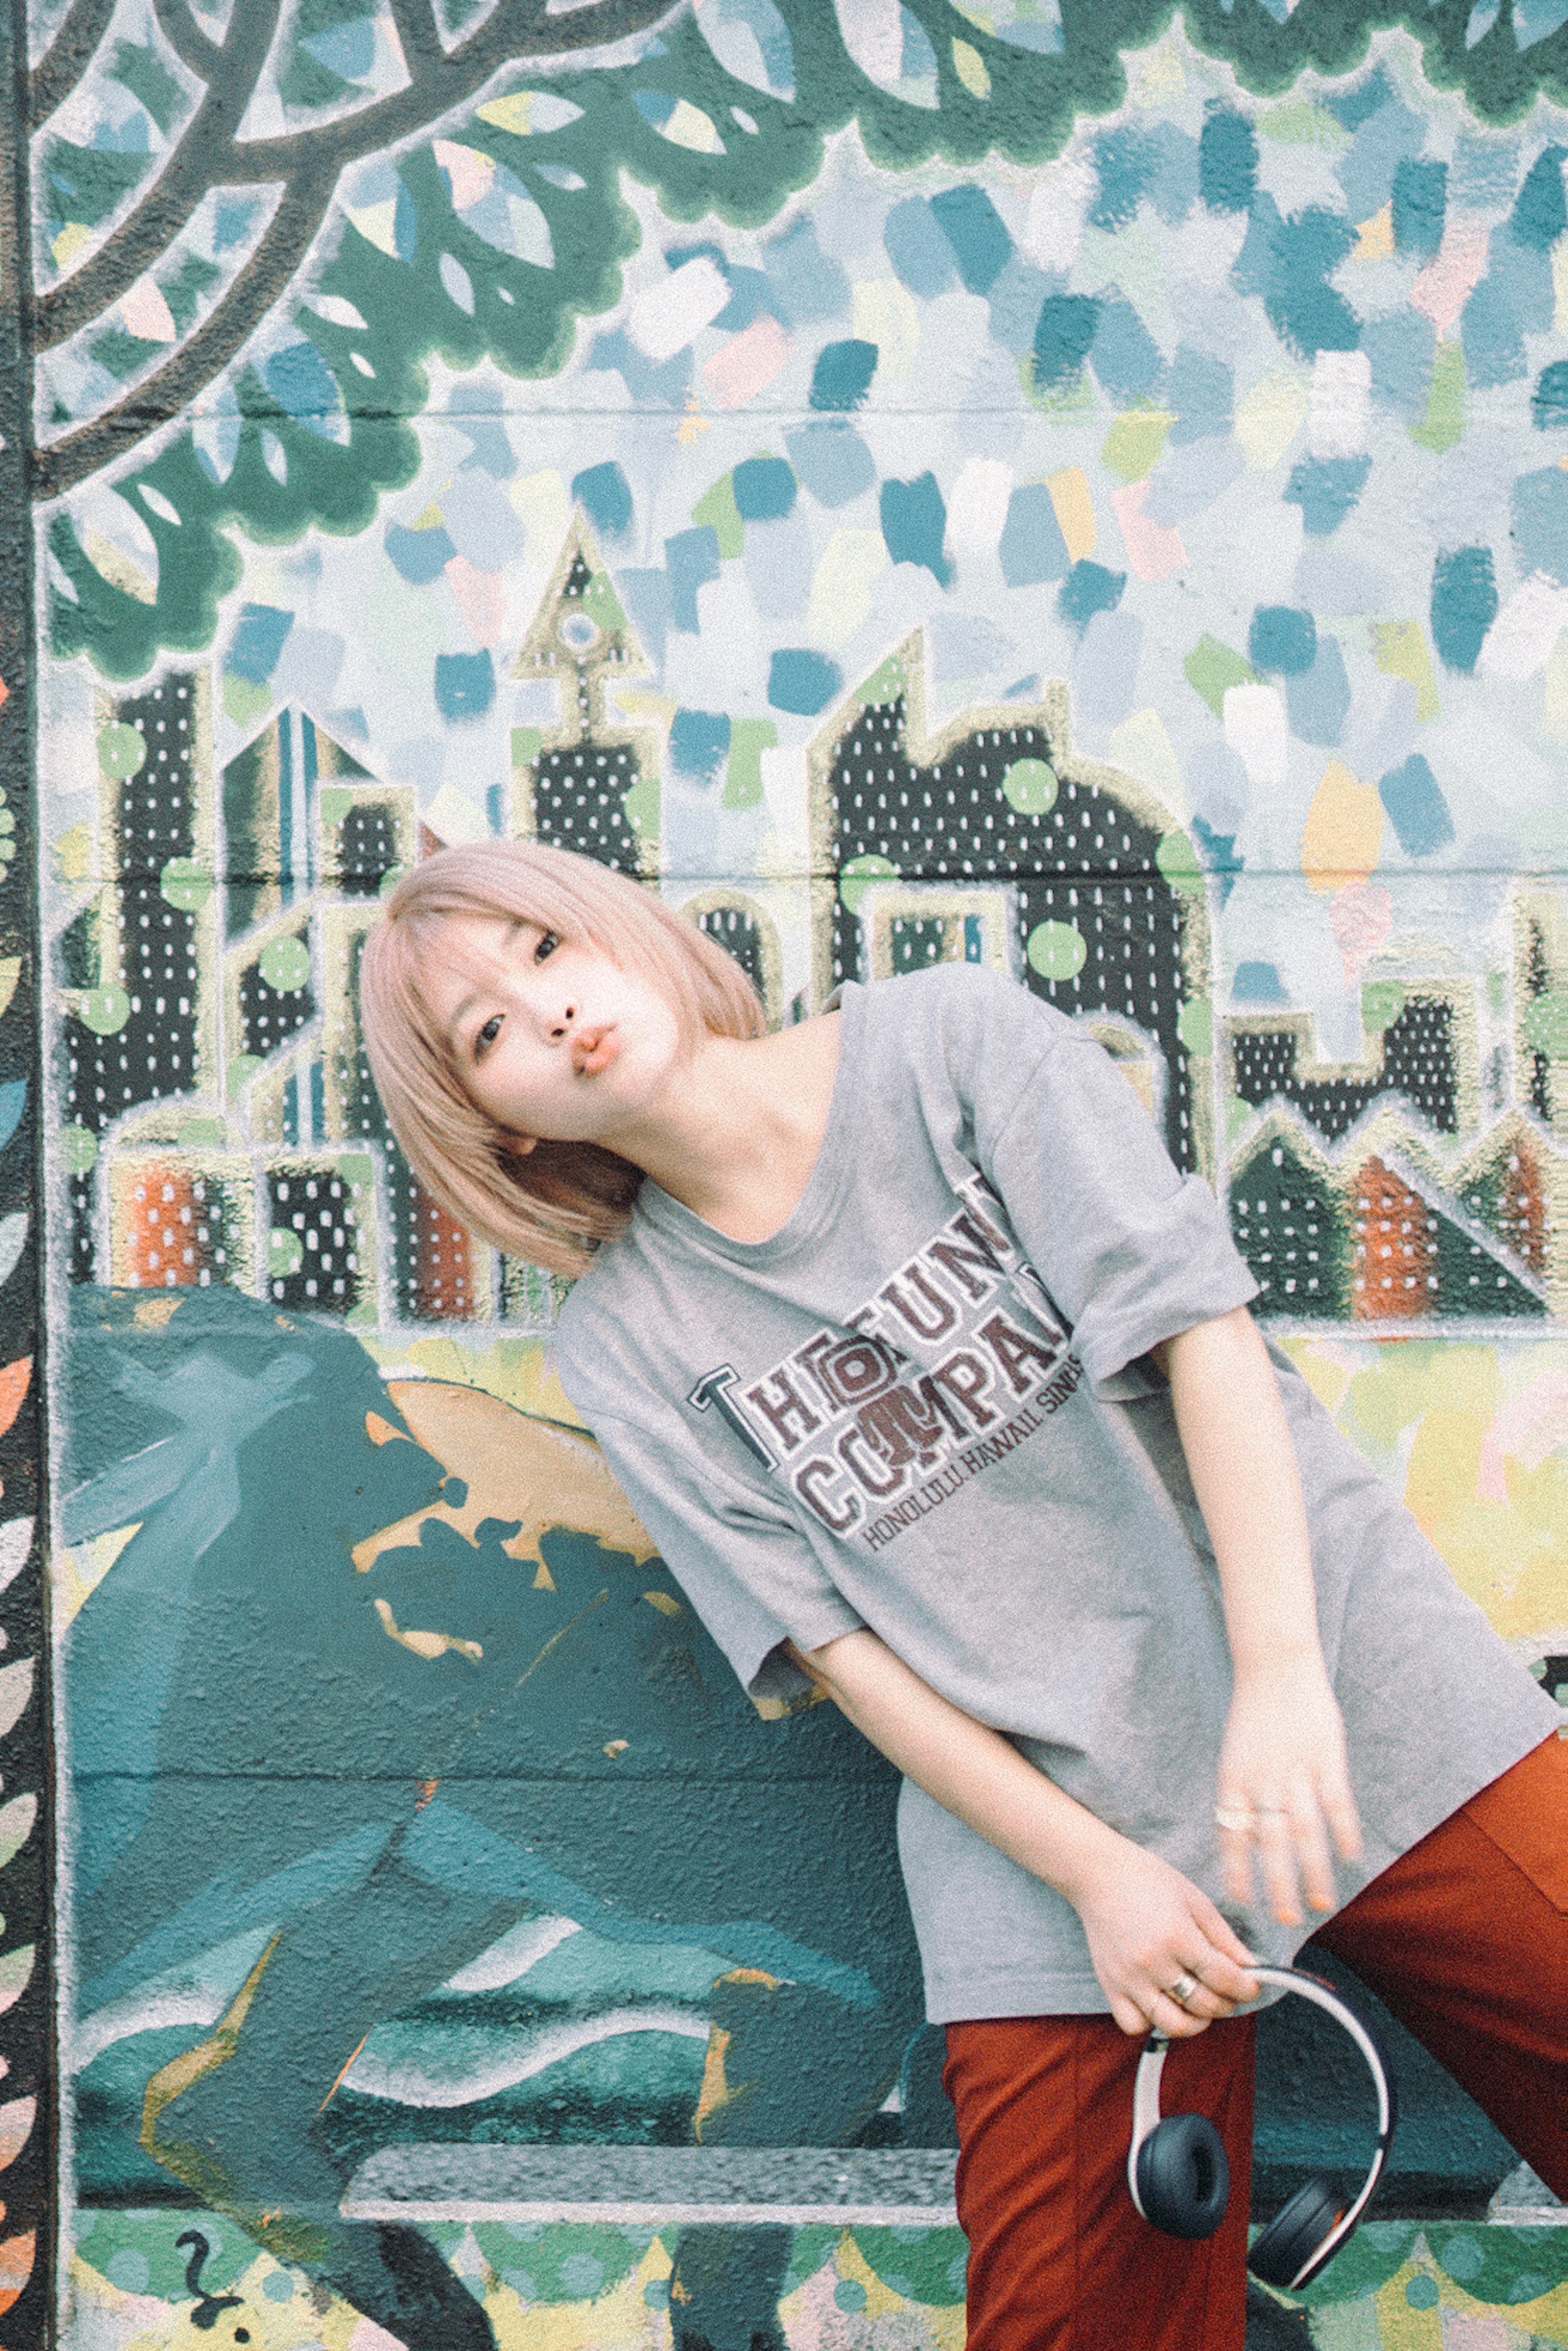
1181	2181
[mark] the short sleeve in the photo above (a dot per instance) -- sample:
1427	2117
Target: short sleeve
747	1568
1132	1250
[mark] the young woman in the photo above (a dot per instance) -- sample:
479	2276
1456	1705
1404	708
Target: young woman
935	1385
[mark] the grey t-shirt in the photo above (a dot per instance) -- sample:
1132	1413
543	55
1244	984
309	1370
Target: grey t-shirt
925	1406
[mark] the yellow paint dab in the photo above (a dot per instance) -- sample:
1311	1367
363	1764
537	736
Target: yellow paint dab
614	1747
544	1580
68	243
1375	238
511	113
118	568
1343	838
78	1573
665	1603
1269	419
1074	510
970	69
1400	650
381	1432
429	519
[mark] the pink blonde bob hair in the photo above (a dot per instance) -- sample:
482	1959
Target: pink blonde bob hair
554	1204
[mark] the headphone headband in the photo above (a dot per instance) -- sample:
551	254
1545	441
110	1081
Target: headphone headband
1311	2229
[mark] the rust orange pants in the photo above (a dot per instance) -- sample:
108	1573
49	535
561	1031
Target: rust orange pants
1464	1938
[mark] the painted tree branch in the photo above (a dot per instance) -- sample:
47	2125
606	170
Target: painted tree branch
185	38
209	155
200	162
419	34
158	400
67	58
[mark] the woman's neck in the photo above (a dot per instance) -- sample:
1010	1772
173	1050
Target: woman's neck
736	1139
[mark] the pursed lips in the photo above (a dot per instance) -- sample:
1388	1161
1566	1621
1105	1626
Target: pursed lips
593	1049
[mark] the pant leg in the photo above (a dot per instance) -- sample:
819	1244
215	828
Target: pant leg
1465	1938
1058	2257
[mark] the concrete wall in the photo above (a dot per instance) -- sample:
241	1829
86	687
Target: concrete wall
1034	484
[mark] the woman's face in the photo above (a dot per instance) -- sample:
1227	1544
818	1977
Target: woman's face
551	1039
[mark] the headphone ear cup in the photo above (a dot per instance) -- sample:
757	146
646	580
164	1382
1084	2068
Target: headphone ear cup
1184	2176
1295	2234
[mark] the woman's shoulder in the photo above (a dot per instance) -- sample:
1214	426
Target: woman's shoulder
966	1012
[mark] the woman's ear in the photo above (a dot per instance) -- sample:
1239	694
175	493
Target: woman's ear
519	1145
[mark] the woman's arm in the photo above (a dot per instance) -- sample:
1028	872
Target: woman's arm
1146	1924
1284	1756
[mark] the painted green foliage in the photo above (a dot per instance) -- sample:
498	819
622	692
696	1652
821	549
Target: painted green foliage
327	417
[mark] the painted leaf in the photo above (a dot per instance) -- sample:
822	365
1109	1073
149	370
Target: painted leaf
16	2266
16	1543
13	1382
16	1820
13	1234
16	2121
16	1689
15	1975
13	1096
750	40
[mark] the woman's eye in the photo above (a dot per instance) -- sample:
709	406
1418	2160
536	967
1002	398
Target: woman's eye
547	943
488	1034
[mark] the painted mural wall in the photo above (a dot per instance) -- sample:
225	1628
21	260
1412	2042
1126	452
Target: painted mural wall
1061	484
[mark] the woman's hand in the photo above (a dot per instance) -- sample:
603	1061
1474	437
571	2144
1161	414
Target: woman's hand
1150	1932
1284	1788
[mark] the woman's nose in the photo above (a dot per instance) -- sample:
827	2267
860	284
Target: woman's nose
561	1025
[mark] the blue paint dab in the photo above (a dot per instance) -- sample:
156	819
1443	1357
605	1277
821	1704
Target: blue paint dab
1541	522
974	229
1127	161
1123	354
1062	336
1352	108
1326	488
1282	640
1252	271
12	1101
1227	161
1537	20
750	294
1259	982
699	742
803	682
1415	806
805	283
914	523
1514	298
231	224
1549	400
1399	352
303	385
1201	390
832	461
1032	548
1420	208
1088	588
646	596
1173	191
1219	855
1541	212
1366	175
1317	702
650	386
921	256
258	642
1464	604
843	374
691	559
465	685
1302	307
764	489
605	496
420	556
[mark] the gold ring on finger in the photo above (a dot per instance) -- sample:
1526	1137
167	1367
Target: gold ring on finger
1238	1819
1184	1988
